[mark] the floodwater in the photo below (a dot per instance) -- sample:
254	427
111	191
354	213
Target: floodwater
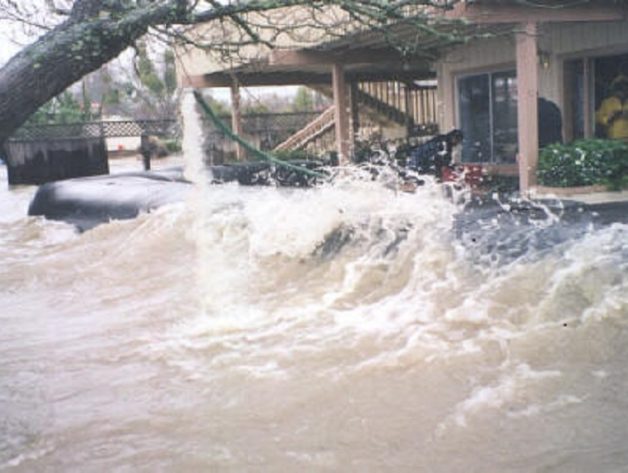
342	328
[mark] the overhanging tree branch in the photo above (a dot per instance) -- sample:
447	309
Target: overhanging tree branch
92	32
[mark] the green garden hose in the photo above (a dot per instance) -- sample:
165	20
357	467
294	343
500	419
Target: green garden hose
248	146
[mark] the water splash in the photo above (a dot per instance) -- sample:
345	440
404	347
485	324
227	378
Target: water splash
192	145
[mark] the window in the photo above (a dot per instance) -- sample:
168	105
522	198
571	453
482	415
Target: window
588	83
488	117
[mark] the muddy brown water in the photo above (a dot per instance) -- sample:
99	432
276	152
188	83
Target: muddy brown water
221	334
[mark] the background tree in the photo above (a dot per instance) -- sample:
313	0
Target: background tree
303	100
82	35
150	86
63	109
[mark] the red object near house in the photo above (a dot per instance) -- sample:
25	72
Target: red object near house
471	174
449	174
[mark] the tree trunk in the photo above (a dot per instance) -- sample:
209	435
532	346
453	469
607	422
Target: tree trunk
64	55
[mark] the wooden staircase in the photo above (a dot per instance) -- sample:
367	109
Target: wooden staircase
401	103
383	109
310	132
408	105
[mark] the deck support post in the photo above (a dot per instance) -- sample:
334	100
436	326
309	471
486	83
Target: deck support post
342	115
236	118
355	111
409	108
527	109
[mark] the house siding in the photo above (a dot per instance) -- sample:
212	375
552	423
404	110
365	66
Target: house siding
574	37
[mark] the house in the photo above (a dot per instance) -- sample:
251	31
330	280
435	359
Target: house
487	86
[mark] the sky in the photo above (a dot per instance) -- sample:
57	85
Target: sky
8	46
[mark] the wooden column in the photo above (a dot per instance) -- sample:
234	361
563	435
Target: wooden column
342	115
355	112
527	108
447	115
236	118
409	106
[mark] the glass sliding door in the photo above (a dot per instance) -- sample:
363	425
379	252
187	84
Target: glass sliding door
475	118
488	117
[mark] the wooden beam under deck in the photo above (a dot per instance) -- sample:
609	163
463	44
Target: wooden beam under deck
309	57
254	79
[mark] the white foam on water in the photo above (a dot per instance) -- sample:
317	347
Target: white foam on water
507	389
563	401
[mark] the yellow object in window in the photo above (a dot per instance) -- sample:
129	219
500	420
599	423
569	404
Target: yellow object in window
613	113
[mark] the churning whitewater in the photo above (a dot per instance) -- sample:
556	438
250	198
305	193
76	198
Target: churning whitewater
341	328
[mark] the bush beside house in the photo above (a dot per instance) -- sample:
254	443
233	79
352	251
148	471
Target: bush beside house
585	163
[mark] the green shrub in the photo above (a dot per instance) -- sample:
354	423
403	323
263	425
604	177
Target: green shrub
584	163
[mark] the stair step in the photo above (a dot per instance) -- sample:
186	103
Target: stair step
317	127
